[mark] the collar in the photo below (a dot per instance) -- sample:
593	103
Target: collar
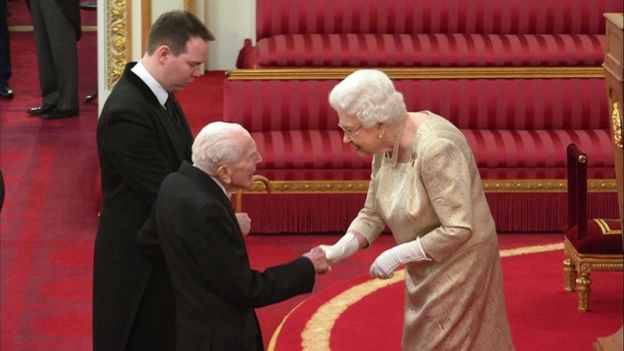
220	186
149	80
216	180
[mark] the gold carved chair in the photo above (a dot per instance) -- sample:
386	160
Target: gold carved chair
591	244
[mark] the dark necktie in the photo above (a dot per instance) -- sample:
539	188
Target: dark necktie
172	108
174	111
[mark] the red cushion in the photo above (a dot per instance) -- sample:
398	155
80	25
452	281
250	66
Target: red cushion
429	50
604	236
503	148
480	104
275	17
517	128
307	149
500	154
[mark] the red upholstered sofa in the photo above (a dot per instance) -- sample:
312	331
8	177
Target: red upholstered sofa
430	33
521	79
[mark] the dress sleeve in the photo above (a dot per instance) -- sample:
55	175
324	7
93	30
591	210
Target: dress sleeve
368	222
446	177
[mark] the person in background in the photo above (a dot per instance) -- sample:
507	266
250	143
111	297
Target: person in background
426	189
56	24
142	135
5	53
194	224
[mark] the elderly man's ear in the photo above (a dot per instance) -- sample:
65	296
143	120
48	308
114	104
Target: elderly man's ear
224	175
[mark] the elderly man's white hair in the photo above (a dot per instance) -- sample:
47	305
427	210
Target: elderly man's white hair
217	143
370	96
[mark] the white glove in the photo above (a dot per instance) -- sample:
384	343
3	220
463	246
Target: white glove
389	260
244	222
343	248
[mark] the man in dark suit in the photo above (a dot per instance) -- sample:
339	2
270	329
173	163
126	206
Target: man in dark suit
5	53
56	24
195	225
142	136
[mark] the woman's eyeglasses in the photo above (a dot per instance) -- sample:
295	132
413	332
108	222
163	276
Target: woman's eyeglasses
350	132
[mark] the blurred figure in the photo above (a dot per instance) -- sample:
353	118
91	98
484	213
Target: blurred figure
5	52
56	24
194	223
142	136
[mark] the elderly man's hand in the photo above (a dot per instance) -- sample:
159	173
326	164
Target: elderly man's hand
317	256
244	222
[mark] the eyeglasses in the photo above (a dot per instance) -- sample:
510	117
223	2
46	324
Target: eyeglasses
350	132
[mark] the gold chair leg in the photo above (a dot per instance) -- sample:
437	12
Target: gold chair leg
583	288
569	275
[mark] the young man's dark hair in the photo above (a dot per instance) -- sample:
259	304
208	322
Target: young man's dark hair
174	29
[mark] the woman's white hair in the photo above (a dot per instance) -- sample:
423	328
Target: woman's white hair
370	96
217	143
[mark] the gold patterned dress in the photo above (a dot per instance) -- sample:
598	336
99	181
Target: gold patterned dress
454	302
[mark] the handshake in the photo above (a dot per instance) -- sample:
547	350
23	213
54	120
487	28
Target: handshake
319	260
384	265
324	255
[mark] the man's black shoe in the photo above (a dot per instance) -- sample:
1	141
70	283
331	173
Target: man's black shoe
59	113
40	110
6	92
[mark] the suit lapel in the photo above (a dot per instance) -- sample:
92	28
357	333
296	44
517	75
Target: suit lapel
180	142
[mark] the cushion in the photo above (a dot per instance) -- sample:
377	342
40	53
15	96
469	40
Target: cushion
274	17
604	236
429	50
486	104
518	154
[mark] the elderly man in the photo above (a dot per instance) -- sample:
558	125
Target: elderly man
195	226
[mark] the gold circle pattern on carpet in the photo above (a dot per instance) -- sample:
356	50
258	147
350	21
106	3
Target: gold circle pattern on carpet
317	332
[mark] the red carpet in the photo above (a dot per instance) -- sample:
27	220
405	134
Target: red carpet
542	316
47	228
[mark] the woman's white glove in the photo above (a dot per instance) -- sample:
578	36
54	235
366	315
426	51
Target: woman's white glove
343	248
386	263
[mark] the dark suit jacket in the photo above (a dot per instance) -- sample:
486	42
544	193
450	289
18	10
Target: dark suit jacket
137	147
216	289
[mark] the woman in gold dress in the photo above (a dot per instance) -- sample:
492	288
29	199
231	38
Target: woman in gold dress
425	187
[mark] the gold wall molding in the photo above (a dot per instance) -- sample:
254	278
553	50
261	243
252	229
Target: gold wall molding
490	186
146	21
118	18
420	73
616	121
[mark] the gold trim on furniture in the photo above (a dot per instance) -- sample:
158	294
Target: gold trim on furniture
420	73
578	267
605	228
490	186
617	125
